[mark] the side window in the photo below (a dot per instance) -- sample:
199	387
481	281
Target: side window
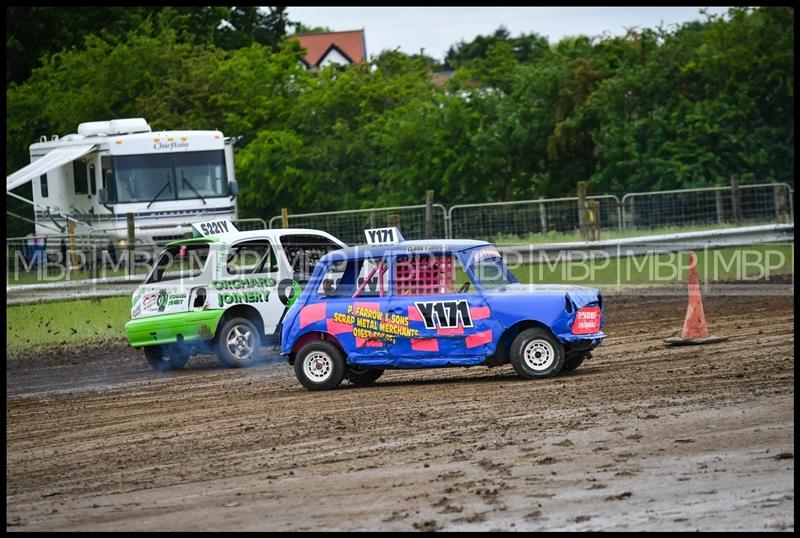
463	283
79	169
92	179
425	274
303	251
43	185
179	262
251	257
108	173
355	278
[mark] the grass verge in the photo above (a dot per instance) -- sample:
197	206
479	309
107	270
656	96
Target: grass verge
67	322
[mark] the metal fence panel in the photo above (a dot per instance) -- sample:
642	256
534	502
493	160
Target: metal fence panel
517	220
709	206
349	225
104	254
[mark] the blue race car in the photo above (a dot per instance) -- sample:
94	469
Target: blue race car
430	304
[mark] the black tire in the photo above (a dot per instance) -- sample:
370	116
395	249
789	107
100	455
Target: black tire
362	376
322	357
159	361
575	360
238	343
536	353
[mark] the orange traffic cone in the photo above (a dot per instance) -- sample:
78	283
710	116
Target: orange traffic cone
695	330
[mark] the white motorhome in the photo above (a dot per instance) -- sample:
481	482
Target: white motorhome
112	168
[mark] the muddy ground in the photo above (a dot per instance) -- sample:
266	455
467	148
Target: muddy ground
641	437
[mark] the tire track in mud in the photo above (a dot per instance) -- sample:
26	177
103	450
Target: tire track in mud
454	449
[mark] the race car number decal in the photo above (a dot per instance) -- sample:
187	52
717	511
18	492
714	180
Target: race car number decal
217	227
444	314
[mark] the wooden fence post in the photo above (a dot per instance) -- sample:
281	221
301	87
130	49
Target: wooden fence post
781	196
428	214
131	244
582	210
543	215
73	250
736	200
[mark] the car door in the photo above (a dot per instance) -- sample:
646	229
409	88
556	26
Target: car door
250	275
352	301
448	318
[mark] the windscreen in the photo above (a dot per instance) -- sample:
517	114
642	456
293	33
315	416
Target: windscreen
489	269
158	177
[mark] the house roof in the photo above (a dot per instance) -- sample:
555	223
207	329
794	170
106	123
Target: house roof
350	44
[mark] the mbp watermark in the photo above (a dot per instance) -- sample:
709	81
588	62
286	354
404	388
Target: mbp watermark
661	268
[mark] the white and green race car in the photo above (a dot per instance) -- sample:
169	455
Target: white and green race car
223	292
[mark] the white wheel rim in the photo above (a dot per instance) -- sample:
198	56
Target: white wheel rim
539	355
240	342
318	366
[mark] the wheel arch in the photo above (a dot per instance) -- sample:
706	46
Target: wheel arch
313	336
502	353
242	311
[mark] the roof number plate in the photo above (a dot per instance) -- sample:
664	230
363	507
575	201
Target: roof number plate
214	227
383	236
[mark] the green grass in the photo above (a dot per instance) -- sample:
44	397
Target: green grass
53	323
104	319
571	237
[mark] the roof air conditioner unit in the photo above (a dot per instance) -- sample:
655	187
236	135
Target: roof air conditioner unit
94	128
129	125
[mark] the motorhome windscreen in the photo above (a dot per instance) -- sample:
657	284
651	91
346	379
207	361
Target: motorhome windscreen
159	177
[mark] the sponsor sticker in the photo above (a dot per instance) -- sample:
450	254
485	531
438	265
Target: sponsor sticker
150	302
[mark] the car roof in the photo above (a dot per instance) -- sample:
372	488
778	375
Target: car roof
420	246
271	233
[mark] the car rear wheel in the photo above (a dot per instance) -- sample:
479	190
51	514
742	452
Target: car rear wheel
319	366
574	360
536	353
362	376
238	343
161	362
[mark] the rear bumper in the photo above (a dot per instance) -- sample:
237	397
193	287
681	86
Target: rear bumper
165	329
592	340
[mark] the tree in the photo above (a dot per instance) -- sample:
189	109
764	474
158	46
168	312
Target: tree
34	32
300	28
250	24
526	48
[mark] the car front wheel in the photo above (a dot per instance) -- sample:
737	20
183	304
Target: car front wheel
536	353
319	366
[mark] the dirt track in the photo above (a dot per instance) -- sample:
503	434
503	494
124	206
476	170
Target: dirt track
641	437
